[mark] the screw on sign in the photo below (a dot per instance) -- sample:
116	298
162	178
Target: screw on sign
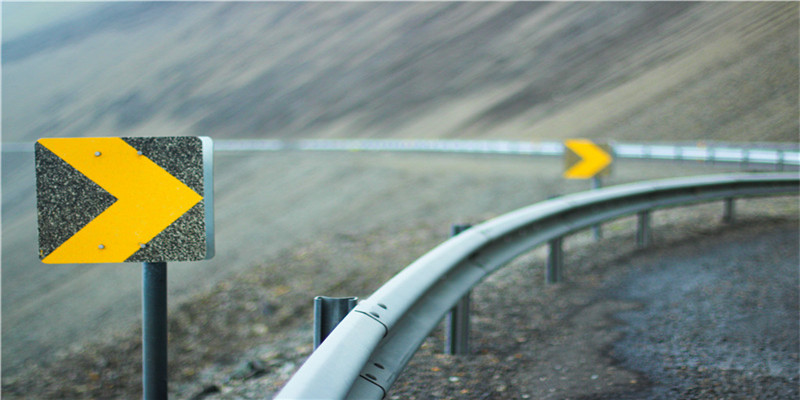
143	199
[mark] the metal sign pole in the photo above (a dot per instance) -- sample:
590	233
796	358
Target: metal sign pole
154	330
165	178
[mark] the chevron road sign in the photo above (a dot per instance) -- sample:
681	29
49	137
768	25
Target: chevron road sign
584	159
109	200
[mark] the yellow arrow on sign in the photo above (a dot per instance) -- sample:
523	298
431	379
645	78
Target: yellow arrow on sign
593	159
149	199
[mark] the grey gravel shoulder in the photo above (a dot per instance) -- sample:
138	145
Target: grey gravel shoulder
584	338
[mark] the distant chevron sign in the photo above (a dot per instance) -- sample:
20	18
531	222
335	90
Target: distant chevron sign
584	159
110	200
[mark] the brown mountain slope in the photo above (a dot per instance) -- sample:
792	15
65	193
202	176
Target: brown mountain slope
626	71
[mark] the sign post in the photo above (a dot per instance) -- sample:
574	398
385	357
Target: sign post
142	199
154	330
584	159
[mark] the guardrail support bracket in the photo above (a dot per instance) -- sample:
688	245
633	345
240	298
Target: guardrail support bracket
456	332
328	312
597	230
456	328
555	261
643	233
730	210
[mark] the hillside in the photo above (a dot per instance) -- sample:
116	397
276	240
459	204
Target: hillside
625	71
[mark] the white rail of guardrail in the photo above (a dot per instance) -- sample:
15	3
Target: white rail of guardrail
779	155
366	352
758	153
711	152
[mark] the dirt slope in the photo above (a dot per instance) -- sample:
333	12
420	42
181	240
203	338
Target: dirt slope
627	71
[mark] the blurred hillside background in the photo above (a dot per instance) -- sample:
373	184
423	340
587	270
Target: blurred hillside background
513	70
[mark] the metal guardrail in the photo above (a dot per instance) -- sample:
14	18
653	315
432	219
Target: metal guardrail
715	152
749	154
367	351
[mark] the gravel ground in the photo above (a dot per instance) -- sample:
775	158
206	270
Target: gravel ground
719	316
687	318
589	337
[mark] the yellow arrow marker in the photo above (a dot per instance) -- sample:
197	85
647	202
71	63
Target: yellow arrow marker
593	159
149	199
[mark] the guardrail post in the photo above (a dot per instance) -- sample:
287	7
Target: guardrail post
643	234
729	214
456	328
597	231
328	312
456	341
555	259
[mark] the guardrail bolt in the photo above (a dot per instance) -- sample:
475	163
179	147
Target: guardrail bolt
328	312
456	328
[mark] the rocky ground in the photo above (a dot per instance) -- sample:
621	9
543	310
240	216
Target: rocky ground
579	339
593	338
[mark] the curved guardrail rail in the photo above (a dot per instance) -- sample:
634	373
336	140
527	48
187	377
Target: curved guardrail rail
778	155
365	354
